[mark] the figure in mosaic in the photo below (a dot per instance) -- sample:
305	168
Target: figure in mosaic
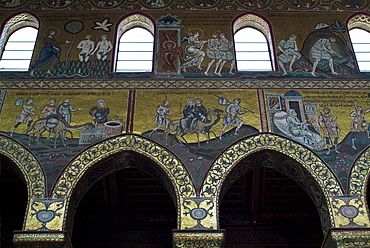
25	116
194	54
191	115
49	109
359	123
169	53
49	54
100	113
155	3
86	46
213	53
330	128
162	117
322	50
289	53
226	55
231	118
299	129
65	110
103	48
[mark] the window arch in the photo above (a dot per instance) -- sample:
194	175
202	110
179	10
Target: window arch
253	44
17	42
135	44
359	33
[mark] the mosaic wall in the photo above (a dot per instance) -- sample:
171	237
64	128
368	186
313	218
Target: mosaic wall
196	118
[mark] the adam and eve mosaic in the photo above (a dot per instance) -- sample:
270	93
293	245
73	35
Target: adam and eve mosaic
85	49
196	125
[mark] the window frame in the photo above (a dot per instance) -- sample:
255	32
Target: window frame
128	23
361	22
260	24
13	24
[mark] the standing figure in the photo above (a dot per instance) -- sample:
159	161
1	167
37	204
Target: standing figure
99	113
322	49
50	52
330	128
49	109
359	123
103	47
231	118
65	110
289	53
194	53
162	117
213	53
86	46
25	116
226	55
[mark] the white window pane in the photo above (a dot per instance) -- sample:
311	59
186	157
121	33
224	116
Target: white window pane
251	50
252	56
364	66
361	47
254	65
362	56
14	65
135	47
249	34
17	55
251	46
20	46
137	35
135	51
18	50
24	34
135	56
134	66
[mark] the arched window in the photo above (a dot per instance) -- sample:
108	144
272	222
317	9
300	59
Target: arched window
135	45
253	44
359	32
17	42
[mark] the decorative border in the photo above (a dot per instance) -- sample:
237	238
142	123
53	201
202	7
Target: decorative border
183	84
28	165
323	176
359	175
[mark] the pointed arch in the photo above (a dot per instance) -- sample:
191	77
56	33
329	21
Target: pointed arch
222	166
21	30
27	164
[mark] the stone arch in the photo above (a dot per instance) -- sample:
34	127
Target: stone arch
169	164
359	174
224	164
27	163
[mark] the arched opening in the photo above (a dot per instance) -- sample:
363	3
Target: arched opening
270	200
13	195
135	44
128	204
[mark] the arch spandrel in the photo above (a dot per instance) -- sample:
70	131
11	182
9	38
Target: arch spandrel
27	164
163	157
359	174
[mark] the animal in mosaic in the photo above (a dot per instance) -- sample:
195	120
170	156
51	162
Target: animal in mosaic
196	127
56	125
